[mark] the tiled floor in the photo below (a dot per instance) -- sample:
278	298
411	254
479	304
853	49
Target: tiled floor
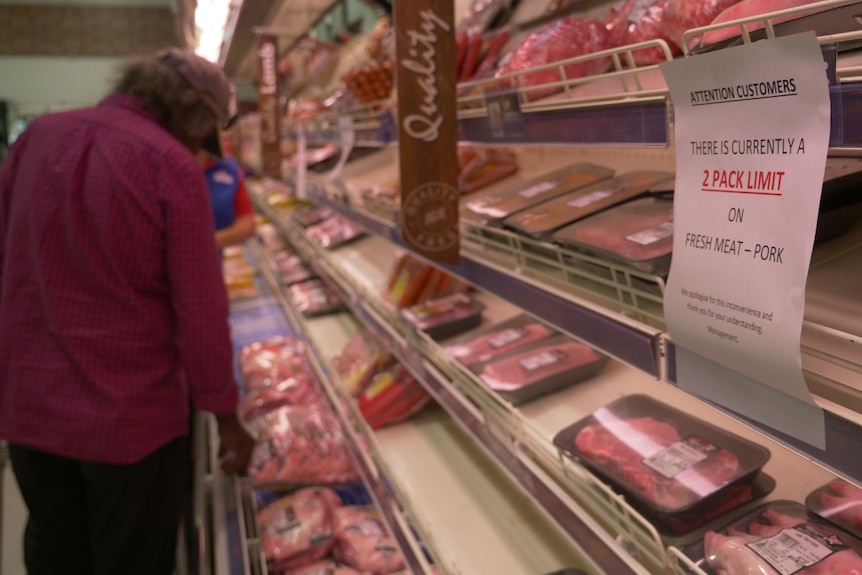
13	517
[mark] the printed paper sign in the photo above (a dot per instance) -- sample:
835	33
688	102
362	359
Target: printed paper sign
752	133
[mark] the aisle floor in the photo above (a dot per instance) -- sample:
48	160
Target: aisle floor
14	516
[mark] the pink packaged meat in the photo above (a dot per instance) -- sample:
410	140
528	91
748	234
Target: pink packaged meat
360	359
839	502
639	21
498	340
746	9
542	219
495	206
660	457
363	542
297	390
446	316
542	369
560	40
683	15
313	298
298	529
300	446
272	361
638	233
334	231
778	538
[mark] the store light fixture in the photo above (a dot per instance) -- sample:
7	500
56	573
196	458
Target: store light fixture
211	18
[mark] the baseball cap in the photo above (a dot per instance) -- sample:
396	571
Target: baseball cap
211	84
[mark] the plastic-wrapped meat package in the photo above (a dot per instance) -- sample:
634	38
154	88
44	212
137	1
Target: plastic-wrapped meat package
334	231
745	9
300	445
313	298
360	359
298	529
309	215
272	361
492	52
482	166
638	21
554	42
392	397
683	15
407	280
498	340
326	567
779	539
297	390
839	502
362	541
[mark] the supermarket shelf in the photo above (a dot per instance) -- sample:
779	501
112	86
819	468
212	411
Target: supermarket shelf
520	439
631	341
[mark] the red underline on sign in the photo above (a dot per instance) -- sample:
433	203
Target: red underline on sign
740	192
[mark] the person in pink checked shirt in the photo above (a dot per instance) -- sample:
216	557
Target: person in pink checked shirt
114	318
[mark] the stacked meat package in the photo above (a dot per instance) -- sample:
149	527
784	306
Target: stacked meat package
522	358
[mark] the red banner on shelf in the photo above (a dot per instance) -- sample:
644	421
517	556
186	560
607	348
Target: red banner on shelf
267	89
428	127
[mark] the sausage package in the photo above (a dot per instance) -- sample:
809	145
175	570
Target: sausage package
498	340
668	464
541	220
494	206
541	369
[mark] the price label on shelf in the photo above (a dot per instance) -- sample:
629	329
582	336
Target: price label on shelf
748	186
504	115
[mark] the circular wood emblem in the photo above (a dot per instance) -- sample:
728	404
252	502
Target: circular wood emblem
429	217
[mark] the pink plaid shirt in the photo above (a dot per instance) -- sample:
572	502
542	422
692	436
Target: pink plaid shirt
113	311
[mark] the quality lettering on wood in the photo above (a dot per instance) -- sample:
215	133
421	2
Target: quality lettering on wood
427	127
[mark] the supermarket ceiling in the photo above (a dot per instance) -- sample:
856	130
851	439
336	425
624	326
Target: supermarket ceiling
91	28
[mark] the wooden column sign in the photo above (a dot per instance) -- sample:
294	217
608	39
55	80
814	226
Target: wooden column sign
267	89
427	127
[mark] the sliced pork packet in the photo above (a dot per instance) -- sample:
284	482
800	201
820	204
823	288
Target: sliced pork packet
661	458
497	340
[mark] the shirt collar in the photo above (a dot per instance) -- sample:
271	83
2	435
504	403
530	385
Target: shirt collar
129	102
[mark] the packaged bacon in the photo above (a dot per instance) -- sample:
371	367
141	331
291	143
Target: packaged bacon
541	220
492	207
839	502
542	369
445	317
498	340
560	40
638	233
778	537
661	458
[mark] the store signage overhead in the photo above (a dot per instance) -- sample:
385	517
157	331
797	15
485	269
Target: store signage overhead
752	134
267	89
427	127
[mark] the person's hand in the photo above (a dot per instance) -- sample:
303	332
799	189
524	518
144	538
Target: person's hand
235	444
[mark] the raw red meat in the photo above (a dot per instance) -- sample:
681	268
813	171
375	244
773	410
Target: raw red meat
362	541
297	529
842	502
538	364
497	343
683	15
745	9
619	447
554	42
639	21
300	445
271	361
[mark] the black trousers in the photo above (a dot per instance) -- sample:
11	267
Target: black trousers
101	519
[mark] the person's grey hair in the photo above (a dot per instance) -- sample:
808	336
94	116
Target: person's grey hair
169	96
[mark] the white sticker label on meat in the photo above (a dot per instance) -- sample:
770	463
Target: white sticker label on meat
792	550
285	522
652	235
506	337
592	198
534	191
675	458
540	360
